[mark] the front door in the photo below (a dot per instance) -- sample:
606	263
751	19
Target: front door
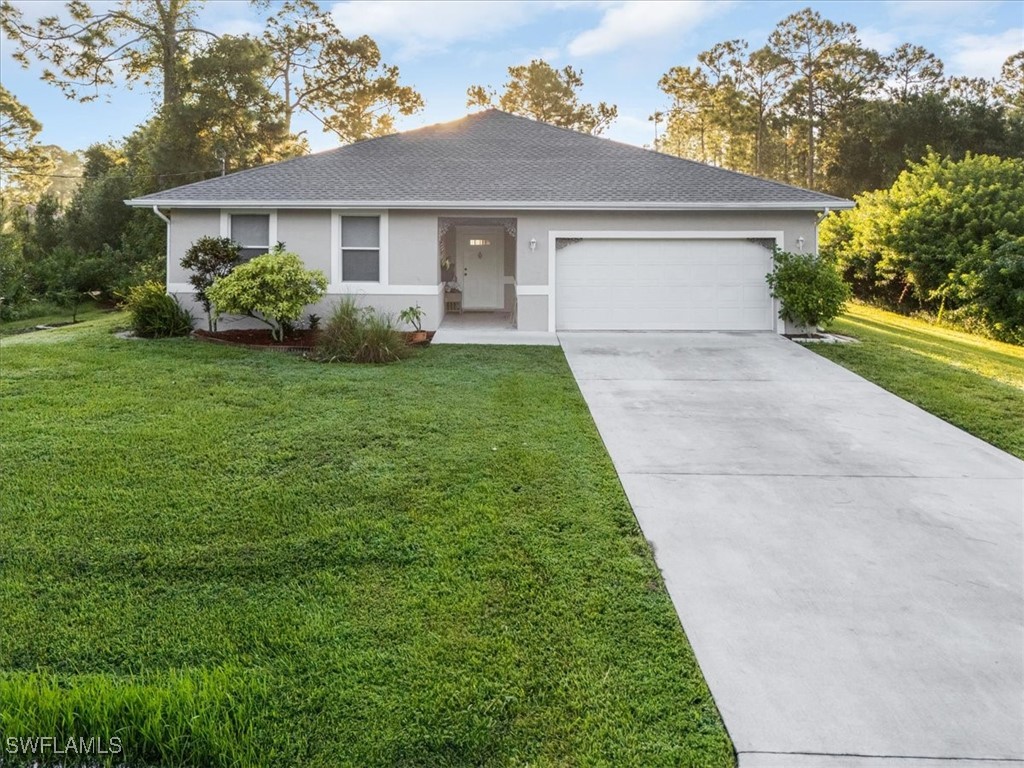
480	261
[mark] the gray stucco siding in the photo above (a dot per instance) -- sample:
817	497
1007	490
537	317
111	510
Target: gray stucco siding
307	233
186	227
533	265
413	249
413	258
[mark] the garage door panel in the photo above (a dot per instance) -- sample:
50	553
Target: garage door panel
662	284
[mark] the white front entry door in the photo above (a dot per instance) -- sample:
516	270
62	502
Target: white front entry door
480	266
663	285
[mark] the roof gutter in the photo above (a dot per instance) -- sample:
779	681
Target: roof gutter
157	211
479	205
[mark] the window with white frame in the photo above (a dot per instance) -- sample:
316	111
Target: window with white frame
360	249
252	232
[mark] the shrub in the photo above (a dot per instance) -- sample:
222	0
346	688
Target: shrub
156	315
811	291
273	288
998	291
920	237
354	334
208	259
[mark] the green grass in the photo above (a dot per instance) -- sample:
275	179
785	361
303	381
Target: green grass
45	313
424	564
972	382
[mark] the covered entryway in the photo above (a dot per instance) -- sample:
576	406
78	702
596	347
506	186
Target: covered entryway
478	265
663	284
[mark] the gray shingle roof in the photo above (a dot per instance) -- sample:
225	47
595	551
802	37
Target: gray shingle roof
493	158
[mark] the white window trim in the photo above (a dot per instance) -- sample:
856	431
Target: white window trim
647	234
337	285
225	223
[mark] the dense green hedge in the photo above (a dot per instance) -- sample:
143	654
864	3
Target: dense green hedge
948	237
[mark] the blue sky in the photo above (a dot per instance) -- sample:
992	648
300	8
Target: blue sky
622	47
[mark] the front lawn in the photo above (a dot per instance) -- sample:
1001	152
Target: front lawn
47	314
972	382
243	558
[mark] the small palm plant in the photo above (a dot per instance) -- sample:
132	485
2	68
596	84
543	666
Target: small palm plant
414	316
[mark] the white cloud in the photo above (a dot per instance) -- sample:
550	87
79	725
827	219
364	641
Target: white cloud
881	40
425	26
630	129
636	21
983	55
930	11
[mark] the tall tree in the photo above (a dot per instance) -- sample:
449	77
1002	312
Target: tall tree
144	40
911	71
340	82
761	81
550	95
24	164
694	128
811	46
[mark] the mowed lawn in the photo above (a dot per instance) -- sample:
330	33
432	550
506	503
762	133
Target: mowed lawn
229	557
972	382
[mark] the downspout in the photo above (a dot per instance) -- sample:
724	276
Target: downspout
158	212
167	243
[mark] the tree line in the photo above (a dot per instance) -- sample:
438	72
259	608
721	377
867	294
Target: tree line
813	106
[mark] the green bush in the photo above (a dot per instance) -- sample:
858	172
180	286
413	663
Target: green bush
208	259
998	292
354	334
273	288
156	315
930	237
810	289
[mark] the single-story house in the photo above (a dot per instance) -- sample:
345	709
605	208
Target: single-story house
495	212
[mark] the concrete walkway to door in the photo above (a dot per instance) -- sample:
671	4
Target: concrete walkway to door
849	569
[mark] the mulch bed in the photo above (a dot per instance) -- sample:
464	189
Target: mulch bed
300	340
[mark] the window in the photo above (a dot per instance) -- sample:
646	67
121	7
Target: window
252	232
479	241
360	249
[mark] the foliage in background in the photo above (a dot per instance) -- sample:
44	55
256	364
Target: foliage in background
932	239
816	107
155	314
273	288
69	280
354	334
341	82
208	259
810	289
539	91
24	164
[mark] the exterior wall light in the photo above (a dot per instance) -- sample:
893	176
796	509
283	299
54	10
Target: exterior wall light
800	244
533	244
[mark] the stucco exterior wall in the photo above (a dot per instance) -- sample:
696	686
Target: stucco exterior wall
186	227
414	273
307	233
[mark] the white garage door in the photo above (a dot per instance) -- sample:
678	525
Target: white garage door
655	285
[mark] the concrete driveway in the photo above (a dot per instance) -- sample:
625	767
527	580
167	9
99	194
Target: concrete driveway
848	568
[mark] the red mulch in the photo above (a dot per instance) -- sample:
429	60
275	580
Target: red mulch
298	340
260	337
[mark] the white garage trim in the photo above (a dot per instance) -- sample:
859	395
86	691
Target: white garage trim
593	234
